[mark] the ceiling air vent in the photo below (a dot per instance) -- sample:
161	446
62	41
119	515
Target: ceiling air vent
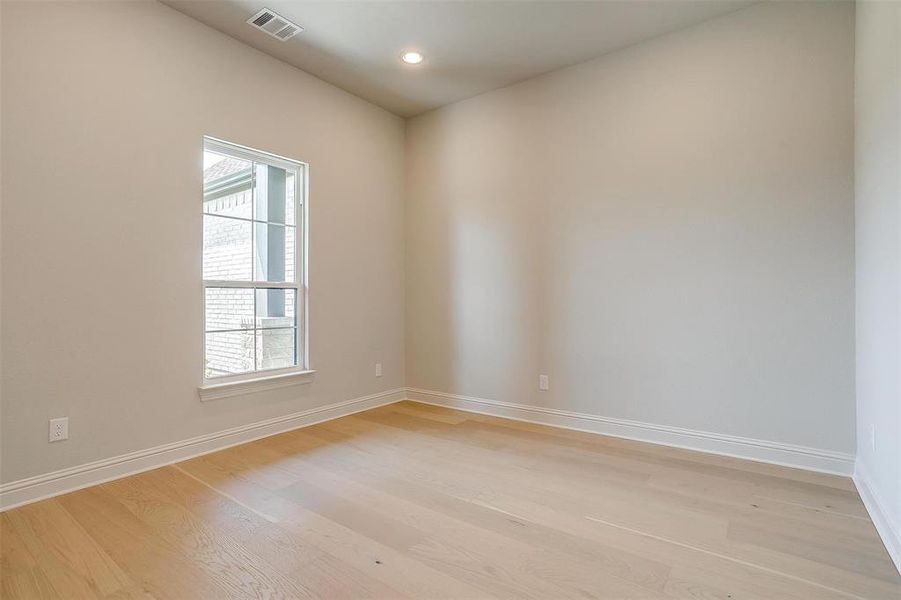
275	25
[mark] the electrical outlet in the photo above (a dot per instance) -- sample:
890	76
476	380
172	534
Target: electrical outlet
378	369
59	429
873	437
543	384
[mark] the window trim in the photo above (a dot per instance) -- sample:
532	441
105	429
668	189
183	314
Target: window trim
258	380
271	381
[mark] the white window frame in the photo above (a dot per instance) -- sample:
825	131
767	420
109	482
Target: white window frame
229	385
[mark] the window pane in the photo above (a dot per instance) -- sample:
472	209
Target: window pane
250	229
273	252
275	308
229	308
229	353
227	252
226	185
276	348
273	194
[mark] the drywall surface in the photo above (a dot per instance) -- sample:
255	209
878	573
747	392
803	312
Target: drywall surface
104	107
665	231
878	253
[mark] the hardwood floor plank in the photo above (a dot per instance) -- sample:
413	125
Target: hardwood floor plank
789	536
446	519
696	491
70	557
717	543
21	576
362	437
417	501
397	572
221	558
160	568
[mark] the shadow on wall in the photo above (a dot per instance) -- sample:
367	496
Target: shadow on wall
670	244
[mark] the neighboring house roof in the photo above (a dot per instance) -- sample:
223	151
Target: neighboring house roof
228	176
225	168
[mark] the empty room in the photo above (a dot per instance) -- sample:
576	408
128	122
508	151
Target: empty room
458	299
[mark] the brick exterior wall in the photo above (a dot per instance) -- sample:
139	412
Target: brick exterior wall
228	255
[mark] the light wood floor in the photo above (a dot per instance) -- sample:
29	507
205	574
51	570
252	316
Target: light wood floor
413	501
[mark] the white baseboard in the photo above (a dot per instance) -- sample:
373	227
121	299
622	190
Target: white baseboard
32	489
889	529
800	457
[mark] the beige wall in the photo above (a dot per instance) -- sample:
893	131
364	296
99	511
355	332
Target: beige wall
878	253
104	107
665	231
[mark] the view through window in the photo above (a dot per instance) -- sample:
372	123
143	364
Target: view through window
252	238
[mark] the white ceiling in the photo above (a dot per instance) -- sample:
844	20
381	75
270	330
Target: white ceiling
469	47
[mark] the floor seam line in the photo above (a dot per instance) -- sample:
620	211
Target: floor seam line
226	495
726	557
814	508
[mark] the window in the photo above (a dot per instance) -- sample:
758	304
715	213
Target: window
254	292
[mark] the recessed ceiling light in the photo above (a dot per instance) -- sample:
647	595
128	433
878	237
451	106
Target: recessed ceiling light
411	58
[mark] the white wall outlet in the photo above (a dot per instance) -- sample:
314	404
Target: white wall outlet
378	369
873	437
543	384
59	429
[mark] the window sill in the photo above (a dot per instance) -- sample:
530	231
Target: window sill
248	386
